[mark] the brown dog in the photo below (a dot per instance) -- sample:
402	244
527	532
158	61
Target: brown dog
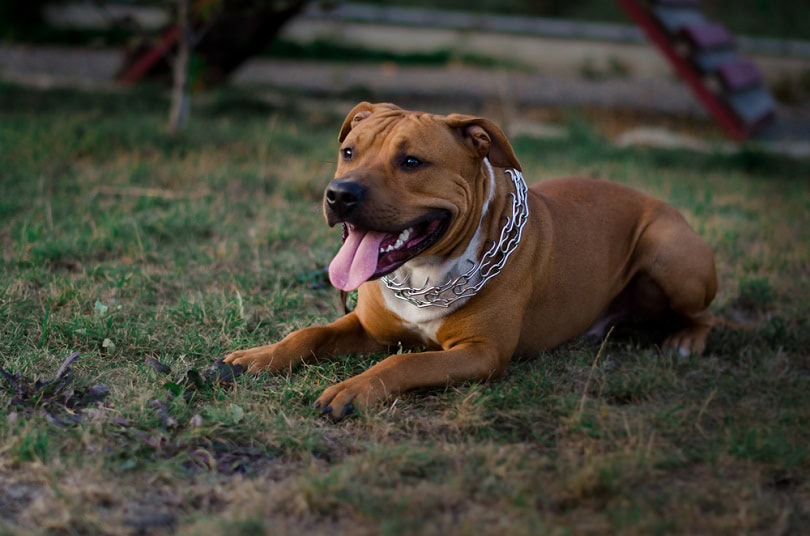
452	252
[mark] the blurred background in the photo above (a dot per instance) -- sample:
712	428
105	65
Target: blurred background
523	63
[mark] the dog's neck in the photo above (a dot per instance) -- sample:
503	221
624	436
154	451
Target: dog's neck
446	283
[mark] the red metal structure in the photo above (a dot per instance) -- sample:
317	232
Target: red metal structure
146	61
223	43
704	54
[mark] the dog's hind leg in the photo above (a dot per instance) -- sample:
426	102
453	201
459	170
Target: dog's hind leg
681	265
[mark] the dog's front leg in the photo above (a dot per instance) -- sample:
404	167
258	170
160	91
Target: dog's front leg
343	336
402	372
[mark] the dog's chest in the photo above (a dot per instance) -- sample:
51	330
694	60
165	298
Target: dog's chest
422	273
424	322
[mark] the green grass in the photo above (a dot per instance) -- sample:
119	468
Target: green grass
124	243
325	50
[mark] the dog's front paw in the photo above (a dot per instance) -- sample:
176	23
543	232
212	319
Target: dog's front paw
358	392
257	359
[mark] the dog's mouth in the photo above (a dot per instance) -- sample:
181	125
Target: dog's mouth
367	254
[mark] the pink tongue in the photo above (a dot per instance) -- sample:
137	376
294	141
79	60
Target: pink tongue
356	261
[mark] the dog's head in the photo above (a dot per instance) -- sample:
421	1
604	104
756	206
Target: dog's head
407	184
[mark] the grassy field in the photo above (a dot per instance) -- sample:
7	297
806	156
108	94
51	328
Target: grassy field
153	256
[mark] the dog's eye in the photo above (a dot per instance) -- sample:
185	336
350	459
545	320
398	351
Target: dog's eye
346	153
411	162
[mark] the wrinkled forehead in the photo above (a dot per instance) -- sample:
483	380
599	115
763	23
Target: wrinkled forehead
400	130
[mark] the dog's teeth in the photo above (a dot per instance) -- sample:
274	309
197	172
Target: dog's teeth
402	239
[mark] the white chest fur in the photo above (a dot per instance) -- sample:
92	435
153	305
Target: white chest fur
423	321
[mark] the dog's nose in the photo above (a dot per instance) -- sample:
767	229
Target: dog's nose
343	196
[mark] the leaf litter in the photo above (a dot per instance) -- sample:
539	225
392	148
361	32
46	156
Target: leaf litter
57	398
61	402
219	374
217	456
189	385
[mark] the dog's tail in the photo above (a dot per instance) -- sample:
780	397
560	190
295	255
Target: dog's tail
746	324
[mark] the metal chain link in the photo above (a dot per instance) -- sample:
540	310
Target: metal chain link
491	264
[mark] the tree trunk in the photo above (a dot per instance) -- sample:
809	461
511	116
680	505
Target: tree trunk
180	99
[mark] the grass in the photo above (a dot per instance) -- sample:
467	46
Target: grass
325	50
125	244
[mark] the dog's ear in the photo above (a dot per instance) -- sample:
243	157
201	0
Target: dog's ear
360	112
486	139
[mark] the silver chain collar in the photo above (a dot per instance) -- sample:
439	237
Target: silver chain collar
470	282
